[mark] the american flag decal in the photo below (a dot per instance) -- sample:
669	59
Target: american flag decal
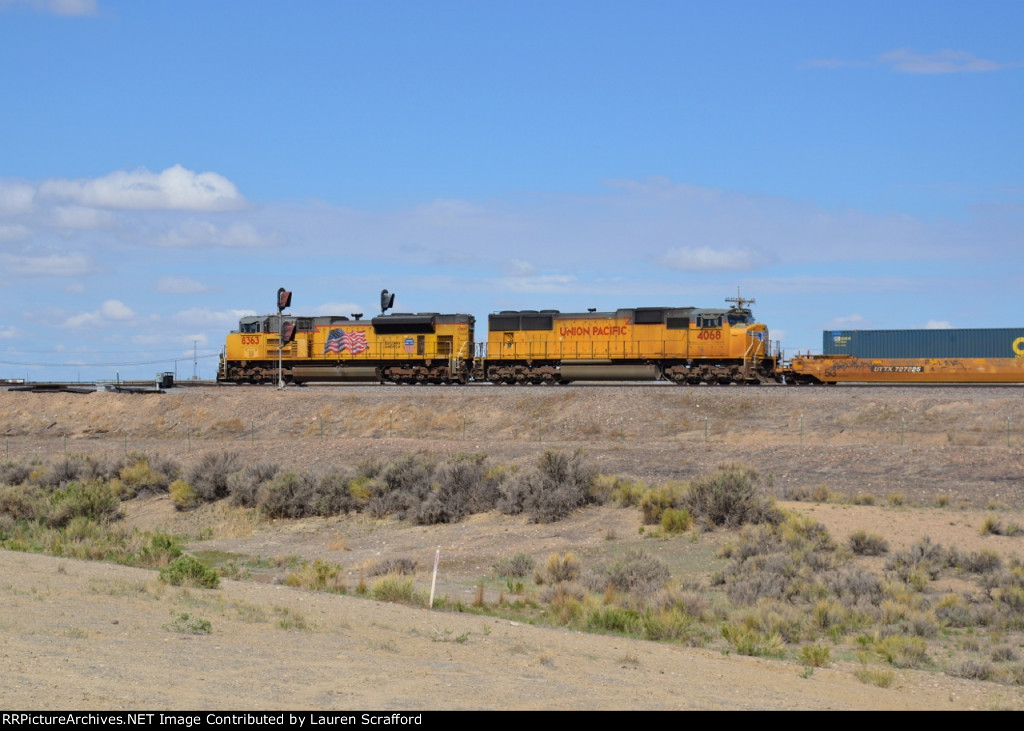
338	340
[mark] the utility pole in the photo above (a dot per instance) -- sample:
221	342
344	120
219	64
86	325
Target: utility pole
195	362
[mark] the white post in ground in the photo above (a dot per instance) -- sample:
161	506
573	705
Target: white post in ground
433	581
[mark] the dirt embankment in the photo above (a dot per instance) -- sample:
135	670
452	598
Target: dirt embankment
965	443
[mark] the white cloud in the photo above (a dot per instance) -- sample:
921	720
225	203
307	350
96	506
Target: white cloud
116	310
172	189
708	259
200	317
548	283
906	61
946	61
519	268
448	212
78	321
75	288
9	234
80	217
937	325
7	333
52	265
195	233
111	310
16	197
54	7
180	285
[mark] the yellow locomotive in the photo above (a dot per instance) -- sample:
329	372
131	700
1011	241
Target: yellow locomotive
399	348
680	344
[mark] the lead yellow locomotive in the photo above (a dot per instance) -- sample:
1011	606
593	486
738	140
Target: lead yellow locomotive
685	345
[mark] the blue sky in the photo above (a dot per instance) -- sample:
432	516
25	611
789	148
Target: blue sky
166	166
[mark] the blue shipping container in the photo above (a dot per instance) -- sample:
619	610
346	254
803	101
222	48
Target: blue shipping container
961	343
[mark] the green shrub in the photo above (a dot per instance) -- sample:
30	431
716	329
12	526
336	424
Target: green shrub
747	641
359	488
318	576
815	656
657	500
518	566
921	562
863	543
805	534
401	565
878	677
61	472
159	551
978	562
244	486
209	475
613	619
729	497
993	526
903	652
13	473
463	484
856	586
146	474
673	623
189	625
333	496
676	520
636	572
182	495
552	491
397	589
562	567
617	491
971	669
95	500
290	619
23	502
189	571
288	495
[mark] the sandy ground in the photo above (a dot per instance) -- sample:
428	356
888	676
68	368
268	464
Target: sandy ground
94	636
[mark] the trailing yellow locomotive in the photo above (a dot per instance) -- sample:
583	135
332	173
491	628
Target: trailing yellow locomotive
680	344
397	348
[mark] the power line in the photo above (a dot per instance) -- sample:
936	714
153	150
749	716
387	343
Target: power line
73	364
